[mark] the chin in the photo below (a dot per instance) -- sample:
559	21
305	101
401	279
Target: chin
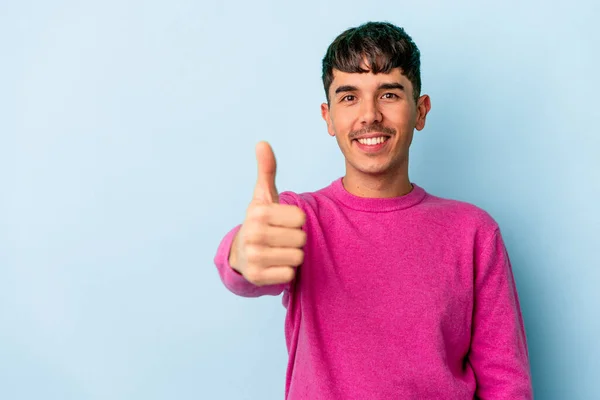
374	170
377	168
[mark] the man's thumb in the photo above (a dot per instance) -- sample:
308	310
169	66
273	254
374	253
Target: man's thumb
265	190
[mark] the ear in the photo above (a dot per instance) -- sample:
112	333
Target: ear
423	107
327	118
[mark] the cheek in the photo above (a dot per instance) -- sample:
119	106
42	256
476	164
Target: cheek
340	124
400	118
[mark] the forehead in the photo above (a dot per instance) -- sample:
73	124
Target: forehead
368	80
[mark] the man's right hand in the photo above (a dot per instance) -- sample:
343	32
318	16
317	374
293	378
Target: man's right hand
268	247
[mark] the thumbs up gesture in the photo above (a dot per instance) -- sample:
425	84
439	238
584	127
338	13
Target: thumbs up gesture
268	247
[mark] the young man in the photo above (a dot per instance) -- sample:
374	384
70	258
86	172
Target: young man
391	292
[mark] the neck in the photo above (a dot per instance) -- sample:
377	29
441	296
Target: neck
377	186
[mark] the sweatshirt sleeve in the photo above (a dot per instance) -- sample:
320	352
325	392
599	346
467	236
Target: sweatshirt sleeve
499	354
233	280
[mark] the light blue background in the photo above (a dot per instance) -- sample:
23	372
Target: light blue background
127	152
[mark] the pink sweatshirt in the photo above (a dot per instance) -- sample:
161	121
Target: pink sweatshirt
410	297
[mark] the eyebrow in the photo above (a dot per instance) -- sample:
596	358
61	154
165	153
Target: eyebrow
389	86
346	88
383	86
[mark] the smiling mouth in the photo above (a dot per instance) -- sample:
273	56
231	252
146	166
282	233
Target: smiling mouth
373	141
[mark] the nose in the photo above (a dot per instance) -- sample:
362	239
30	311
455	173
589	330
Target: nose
370	112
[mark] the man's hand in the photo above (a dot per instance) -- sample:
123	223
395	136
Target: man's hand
268	247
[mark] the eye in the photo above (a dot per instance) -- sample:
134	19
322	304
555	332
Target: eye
390	96
349	97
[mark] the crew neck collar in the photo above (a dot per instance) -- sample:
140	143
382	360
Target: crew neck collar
415	196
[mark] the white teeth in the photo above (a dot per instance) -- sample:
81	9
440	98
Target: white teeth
373	141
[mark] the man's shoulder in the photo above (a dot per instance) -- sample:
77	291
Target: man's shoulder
302	199
460	212
305	198
433	207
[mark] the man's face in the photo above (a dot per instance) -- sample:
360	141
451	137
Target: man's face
373	118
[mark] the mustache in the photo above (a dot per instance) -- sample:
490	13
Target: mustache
372	128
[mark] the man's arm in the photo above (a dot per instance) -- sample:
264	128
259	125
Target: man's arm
499	354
